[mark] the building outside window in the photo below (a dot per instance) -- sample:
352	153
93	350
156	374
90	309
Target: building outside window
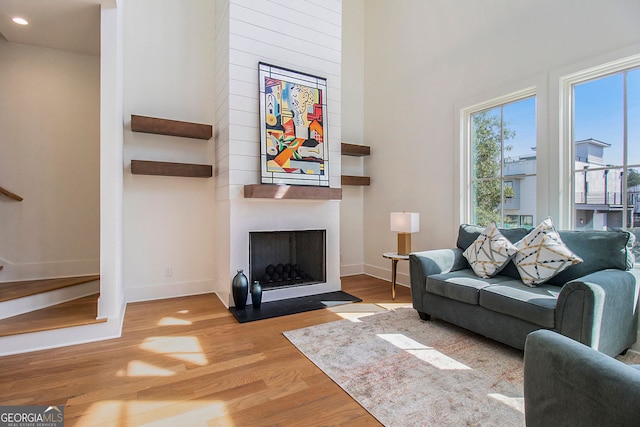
606	149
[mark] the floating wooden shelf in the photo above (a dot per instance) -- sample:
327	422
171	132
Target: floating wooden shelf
273	191
354	149
147	167
355	180
170	127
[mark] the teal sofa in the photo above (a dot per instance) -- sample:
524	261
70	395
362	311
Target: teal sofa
594	302
569	384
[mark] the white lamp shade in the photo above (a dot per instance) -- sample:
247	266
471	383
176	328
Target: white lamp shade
405	222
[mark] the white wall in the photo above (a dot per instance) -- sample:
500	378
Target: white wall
169	68
352	206
50	145
425	60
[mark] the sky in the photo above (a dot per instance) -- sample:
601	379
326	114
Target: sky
598	115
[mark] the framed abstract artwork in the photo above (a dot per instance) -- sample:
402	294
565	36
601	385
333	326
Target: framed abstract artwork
293	125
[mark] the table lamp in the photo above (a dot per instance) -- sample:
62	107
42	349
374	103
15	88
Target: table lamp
405	223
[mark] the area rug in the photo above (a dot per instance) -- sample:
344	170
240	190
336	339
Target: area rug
407	372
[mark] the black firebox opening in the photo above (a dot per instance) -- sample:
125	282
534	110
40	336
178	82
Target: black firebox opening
287	258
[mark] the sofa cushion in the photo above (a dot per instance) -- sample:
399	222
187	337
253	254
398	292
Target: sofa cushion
467	234
460	285
534	305
599	250
542	255
490	252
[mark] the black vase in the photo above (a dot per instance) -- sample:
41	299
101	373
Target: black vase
256	294
240	290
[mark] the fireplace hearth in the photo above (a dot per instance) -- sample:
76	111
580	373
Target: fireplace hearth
280	259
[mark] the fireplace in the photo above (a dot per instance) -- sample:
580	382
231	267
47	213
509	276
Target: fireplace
280	259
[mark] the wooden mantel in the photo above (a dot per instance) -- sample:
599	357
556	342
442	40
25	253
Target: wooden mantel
273	191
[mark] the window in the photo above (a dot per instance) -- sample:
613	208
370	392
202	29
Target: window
606	151
511	221
502	140
526	220
509	192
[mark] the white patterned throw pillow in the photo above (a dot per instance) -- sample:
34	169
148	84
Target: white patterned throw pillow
542	255
490	252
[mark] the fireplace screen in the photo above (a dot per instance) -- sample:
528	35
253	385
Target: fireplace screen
287	258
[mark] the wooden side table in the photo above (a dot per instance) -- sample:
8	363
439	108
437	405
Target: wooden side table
394	257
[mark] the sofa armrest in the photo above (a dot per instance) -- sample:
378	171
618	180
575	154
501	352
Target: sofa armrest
426	263
569	384
600	310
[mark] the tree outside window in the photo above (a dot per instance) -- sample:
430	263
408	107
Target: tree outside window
503	149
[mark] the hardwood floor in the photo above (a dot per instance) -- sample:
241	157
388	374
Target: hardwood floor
187	362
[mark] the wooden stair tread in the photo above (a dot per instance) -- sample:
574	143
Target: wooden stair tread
15	290
79	312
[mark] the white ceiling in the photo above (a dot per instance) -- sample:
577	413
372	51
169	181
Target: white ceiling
72	25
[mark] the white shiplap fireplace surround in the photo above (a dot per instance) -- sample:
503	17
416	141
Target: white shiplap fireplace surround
278	34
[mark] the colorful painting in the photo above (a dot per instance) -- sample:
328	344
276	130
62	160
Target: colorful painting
293	125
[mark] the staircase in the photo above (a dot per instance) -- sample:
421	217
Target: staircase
42	305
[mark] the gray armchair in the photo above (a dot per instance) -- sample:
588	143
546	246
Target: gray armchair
569	384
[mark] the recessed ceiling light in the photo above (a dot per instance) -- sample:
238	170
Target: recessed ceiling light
20	21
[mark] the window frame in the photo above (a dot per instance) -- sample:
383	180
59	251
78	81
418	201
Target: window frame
466	143
566	128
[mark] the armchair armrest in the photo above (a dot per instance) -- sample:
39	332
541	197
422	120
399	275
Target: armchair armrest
569	384
600	310
426	263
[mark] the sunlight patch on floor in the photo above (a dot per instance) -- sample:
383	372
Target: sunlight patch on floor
186	349
156	414
173	321
138	368
427	354
394	305
356	311
516	403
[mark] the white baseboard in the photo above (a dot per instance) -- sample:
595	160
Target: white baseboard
402	279
46	270
224	297
168	290
351	269
58	296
